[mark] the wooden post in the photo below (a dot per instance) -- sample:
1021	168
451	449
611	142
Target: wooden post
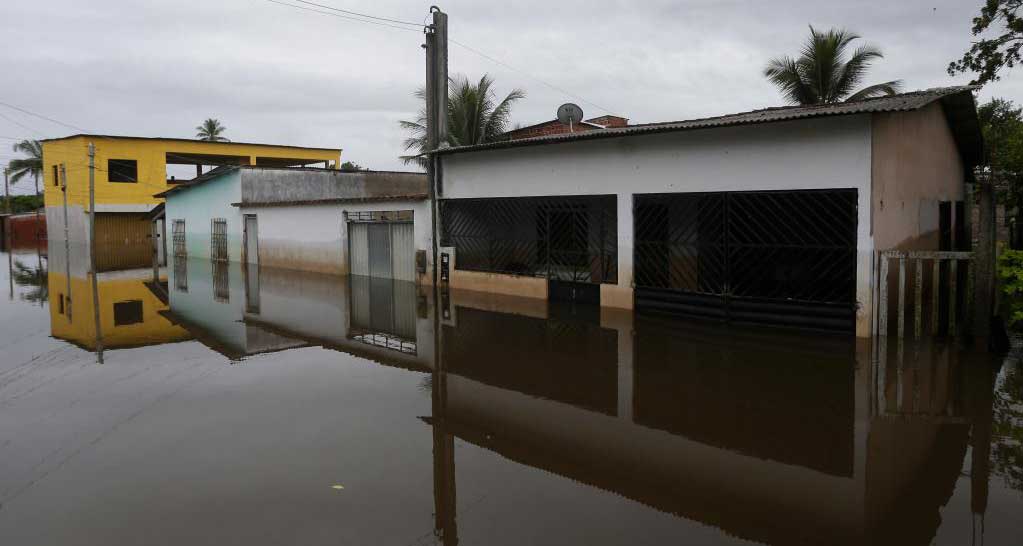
935	295
918	299
883	303
902	296
952	281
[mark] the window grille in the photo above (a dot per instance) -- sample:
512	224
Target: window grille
379	216
218	240
178	237
571	238
387	341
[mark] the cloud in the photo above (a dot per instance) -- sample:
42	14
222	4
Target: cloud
276	74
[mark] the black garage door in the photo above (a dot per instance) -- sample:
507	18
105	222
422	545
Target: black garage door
781	258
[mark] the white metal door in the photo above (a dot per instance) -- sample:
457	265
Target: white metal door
358	249
403	253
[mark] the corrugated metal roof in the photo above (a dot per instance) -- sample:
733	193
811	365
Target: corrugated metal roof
894	103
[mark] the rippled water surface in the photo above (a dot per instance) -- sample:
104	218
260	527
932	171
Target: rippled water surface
243	406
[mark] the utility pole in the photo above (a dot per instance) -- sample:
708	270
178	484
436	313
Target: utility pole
67	241
436	115
7	192
92	252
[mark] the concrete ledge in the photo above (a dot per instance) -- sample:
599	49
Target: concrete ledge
511	285
614	295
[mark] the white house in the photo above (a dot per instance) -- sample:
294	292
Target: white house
323	220
766	216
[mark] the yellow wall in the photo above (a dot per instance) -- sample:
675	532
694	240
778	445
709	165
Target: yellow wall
152	165
154	328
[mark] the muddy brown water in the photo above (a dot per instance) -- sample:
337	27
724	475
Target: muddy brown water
245	406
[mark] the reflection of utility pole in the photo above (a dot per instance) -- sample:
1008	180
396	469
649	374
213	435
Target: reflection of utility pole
92	252
981	412
7	192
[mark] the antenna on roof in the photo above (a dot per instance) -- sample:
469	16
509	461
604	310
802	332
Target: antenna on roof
570	114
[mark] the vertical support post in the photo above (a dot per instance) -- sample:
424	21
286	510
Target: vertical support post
436	117
952	281
92	252
7	192
67	240
935	295
156	251
984	259
902	297
918	269
883	318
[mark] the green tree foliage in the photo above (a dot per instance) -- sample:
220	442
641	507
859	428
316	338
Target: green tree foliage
211	130
987	56
825	72
26	203
30	166
475	116
350	167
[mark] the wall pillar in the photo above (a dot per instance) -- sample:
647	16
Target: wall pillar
620	294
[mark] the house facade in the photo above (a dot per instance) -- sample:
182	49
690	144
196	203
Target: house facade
366	223
768	216
128	172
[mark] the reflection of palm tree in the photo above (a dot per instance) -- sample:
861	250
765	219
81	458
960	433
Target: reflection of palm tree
35	277
1007	429
823	74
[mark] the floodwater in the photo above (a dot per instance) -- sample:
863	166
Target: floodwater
244	406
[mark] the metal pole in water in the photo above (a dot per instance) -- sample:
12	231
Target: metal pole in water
67	241
92	252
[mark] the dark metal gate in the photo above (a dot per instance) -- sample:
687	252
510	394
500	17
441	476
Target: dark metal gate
572	239
776	257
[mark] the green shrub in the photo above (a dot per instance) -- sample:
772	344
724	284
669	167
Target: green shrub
1010	271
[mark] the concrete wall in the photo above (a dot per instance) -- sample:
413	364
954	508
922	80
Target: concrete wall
290	185
807	154
315	237
198	205
916	165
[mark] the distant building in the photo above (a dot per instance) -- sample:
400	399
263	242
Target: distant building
129	171
555	127
767	216
369	223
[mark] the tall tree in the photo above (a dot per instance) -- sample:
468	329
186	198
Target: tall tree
1001	123
27	166
474	116
211	130
823	73
987	56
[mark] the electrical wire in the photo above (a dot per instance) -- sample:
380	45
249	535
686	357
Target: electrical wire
388	25
417	25
460	44
526	74
22	125
40	116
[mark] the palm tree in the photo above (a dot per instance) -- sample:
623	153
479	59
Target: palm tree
822	74
28	166
474	117
211	130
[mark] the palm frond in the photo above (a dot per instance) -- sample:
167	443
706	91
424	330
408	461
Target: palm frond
876	90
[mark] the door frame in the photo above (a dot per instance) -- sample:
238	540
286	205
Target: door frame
245	238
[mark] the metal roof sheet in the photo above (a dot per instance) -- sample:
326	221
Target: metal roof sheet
894	103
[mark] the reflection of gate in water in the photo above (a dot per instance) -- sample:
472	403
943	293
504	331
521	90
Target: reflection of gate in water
383	313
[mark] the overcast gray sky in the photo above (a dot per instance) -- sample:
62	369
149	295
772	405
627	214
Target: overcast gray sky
276	74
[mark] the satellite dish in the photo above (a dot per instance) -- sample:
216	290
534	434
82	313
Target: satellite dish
570	114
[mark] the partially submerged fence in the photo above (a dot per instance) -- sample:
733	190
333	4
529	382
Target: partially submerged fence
940	285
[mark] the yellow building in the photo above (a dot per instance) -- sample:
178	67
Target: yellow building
129	171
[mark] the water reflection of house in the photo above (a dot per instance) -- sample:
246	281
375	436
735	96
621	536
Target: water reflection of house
773	439
129	310
129	170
